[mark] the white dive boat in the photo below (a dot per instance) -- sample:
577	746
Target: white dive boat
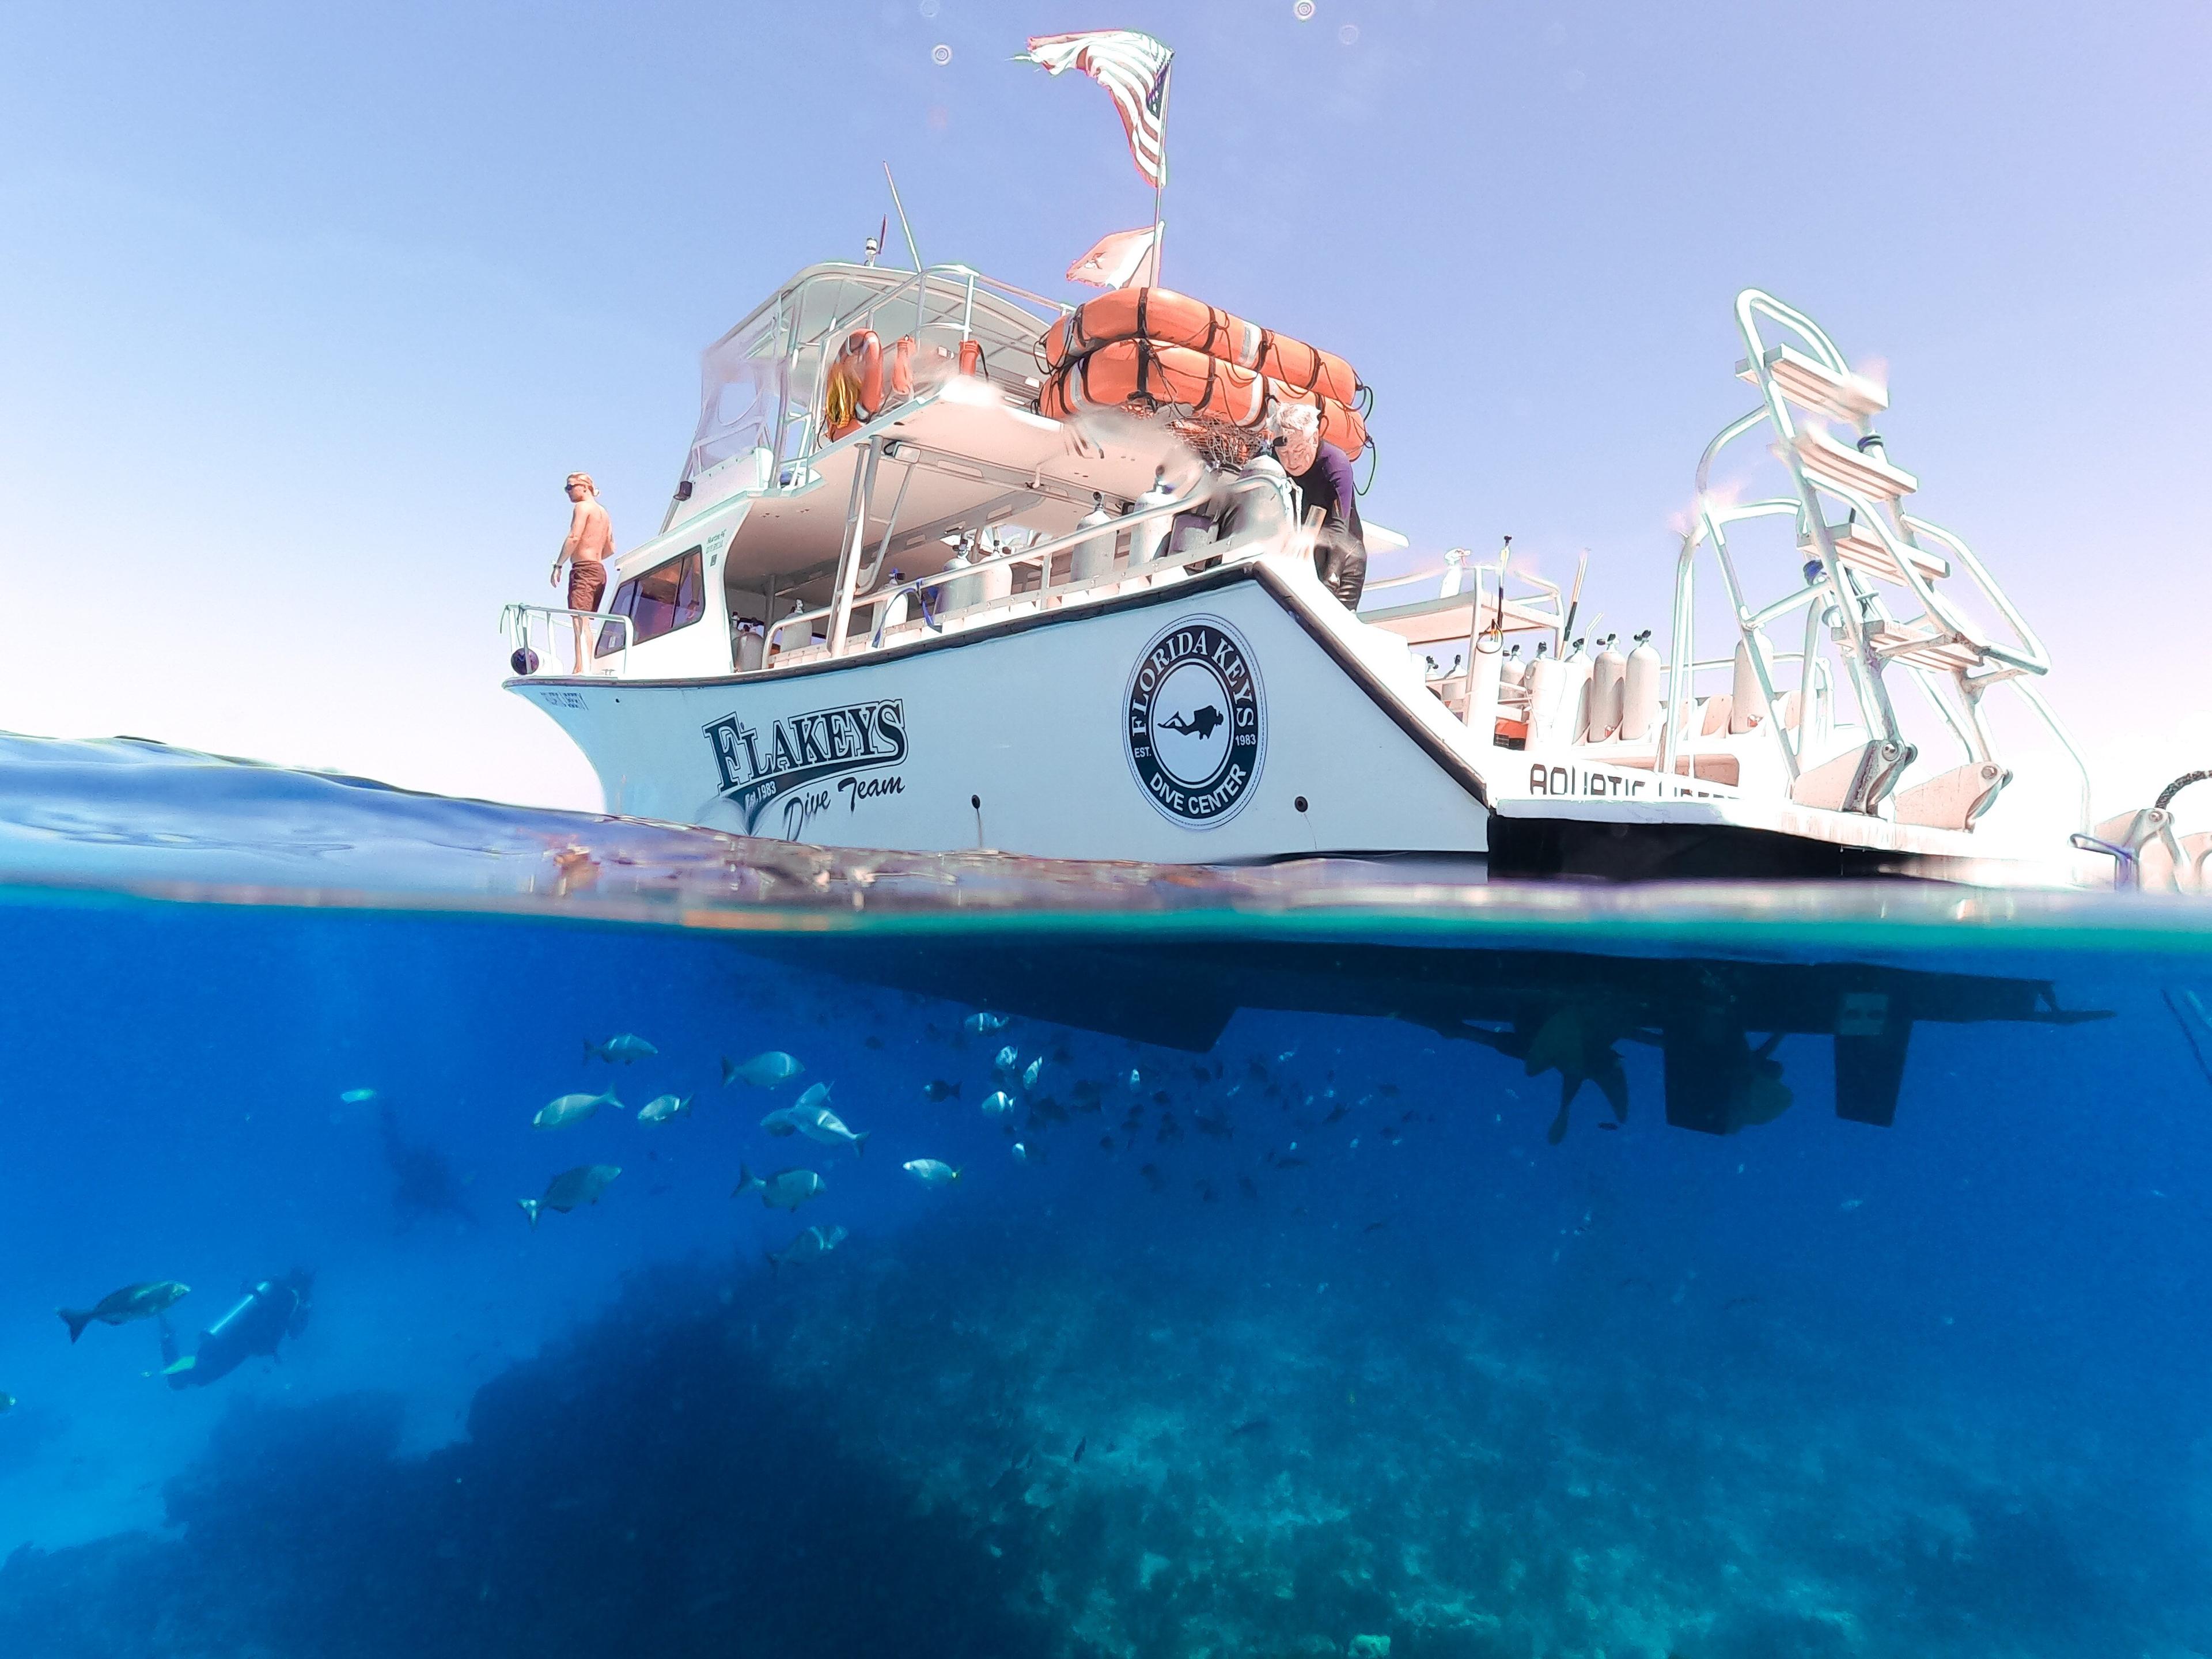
962	624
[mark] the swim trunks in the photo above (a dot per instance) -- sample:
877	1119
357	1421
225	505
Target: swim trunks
587	579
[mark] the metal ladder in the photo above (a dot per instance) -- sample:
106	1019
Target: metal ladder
1872	577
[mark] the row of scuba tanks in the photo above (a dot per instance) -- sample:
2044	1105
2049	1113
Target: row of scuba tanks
1608	697
1583	699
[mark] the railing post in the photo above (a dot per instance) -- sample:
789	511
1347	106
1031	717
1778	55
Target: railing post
849	562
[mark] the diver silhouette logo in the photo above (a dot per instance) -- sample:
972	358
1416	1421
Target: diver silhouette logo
1194	722
1200	724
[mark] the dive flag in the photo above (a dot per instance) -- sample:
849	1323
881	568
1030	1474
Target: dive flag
1125	258
1133	70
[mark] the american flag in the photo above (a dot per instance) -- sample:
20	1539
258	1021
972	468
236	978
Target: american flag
1133	70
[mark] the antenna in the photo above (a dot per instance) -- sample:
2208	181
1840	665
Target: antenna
1496	630
920	282
903	225
1575	600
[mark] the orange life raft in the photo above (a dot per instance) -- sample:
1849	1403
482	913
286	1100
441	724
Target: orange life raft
1165	318
1138	371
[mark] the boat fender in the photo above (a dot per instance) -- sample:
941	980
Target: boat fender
1640	692
971	359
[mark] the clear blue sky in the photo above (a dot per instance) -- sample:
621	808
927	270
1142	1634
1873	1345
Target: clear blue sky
306	312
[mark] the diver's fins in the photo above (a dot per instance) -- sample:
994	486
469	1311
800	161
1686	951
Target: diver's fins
181	1366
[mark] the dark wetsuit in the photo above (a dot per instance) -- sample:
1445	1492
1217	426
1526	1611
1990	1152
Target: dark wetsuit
271	1310
1340	554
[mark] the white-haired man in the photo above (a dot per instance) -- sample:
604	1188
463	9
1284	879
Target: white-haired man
1323	477
590	544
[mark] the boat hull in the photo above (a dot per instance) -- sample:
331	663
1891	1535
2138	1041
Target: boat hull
1213	721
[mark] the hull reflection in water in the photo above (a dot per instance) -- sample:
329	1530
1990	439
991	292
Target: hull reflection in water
1249	1265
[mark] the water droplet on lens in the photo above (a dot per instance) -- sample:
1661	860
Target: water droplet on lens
1303	11
1349	34
929	8
940	54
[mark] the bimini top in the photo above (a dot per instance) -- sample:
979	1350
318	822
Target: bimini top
762	385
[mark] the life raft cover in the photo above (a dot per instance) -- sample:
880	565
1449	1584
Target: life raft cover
1140	371
1166	318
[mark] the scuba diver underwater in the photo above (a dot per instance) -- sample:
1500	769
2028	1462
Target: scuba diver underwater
269	1311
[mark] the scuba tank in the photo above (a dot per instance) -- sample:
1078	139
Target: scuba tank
959	592
1260	504
899	609
1640	692
1147	538
996	582
1608	677
1483	671
1546	679
1512	671
1571	716
1093	558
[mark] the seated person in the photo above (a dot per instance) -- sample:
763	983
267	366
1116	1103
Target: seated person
1323	477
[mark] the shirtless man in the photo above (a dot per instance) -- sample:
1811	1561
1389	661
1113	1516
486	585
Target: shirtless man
590	543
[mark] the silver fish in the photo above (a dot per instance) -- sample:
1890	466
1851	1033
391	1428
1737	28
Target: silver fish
571	1189
1031	1076
573	1108
625	1047
662	1108
787	1189
998	1103
761	1071
825	1126
1008	1060
121	1307
783	1121
1025	1153
810	1246
931	1172
984	1021
1135	1080
357	1097
817	1094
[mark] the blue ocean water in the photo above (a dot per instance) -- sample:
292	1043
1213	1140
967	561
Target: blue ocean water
1280	1312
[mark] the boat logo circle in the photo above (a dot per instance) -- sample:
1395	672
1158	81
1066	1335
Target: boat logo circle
1195	723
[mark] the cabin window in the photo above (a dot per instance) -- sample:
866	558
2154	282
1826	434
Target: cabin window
669	596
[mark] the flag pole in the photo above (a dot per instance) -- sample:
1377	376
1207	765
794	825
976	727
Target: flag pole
1167	97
